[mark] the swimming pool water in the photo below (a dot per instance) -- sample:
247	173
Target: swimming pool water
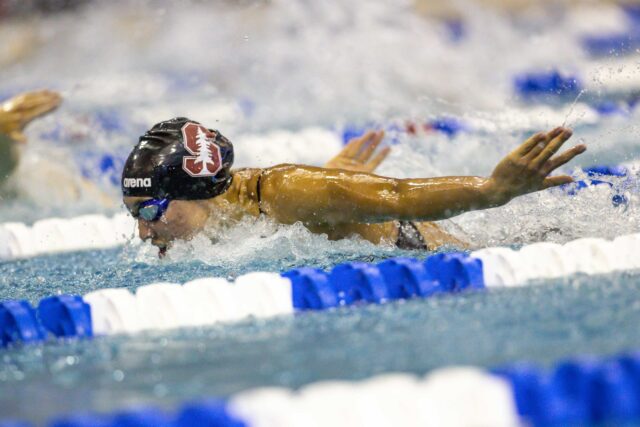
82	272
543	323
283	66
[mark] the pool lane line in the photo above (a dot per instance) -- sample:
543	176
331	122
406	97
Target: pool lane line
582	390
206	301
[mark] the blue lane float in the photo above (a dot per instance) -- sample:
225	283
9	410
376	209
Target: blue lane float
606	170
311	289
545	85
14	424
19	324
455	271
408	278
66	316
211	412
359	281
204	413
578	391
446	125
599	175
614	44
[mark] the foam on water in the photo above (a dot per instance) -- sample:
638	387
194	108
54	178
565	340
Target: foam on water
266	245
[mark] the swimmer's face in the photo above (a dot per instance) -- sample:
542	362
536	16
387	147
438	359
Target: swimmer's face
181	221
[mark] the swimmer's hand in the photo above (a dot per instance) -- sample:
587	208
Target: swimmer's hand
526	169
17	112
357	154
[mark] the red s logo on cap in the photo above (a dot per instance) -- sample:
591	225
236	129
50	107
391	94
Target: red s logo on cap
200	142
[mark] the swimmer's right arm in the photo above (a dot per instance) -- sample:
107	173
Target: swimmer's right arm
292	193
15	114
20	110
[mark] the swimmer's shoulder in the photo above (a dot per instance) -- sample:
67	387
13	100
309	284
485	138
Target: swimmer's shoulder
272	173
248	182
251	186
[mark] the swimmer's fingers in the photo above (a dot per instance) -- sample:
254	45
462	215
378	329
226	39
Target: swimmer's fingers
346	158
370	145
354	146
554	181
36	100
18	136
563	158
25	107
551	148
379	158
537	149
530	143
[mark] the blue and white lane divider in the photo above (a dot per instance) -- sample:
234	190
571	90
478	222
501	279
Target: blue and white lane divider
580	391
55	235
261	294
210	300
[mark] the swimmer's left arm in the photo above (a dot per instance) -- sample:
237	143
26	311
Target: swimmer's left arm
293	193
358	154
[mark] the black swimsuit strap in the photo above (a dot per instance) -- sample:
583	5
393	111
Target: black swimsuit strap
258	191
409	237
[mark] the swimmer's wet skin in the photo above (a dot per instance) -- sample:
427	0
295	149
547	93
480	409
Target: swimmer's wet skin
178	179
15	114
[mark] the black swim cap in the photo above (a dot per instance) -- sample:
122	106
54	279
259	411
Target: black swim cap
179	159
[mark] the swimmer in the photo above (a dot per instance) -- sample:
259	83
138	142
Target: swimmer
178	180
15	114
41	179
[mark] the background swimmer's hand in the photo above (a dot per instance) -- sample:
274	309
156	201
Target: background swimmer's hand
17	112
357	154
526	169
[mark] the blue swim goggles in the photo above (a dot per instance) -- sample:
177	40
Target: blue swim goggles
152	210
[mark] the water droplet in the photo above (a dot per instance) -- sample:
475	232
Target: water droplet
160	390
118	375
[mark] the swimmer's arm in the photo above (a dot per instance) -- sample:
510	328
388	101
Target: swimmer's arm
20	110
15	114
9	156
293	193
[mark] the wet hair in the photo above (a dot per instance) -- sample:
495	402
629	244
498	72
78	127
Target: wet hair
179	159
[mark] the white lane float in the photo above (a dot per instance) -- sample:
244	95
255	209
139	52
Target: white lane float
450	397
506	267
114	311
56	235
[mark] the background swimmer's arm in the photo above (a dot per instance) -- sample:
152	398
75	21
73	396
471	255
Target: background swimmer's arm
293	193
9	156
17	112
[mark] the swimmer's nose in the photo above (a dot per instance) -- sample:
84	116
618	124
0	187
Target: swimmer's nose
144	231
